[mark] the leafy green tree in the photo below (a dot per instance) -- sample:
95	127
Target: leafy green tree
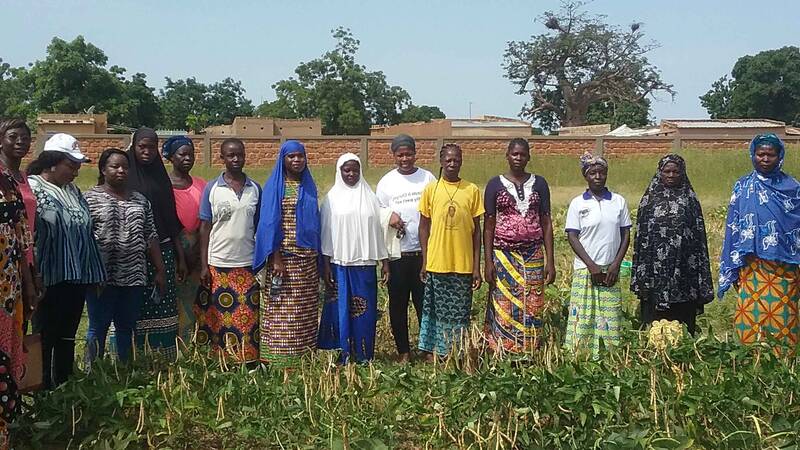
14	97
578	62
422	113
766	85
633	114
191	104
225	100
138	105
278	108
73	78
180	99
346	97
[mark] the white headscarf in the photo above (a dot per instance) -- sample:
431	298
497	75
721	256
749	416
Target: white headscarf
351	221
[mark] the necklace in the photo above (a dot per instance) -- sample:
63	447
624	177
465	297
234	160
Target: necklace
451	209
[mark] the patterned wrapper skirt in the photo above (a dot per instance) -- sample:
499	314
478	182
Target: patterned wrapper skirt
349	317
157	326
445	311
289	319
9	399
595	313
767	305
513	315
186	292
228	313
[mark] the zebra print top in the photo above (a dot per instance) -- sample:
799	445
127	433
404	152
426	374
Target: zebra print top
123	230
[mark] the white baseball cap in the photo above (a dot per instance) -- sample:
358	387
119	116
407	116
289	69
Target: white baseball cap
65	143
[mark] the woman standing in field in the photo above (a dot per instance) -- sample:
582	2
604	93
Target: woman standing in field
288	243
157	327
352	245
229	214
188	190
517	235
18	293
126	234
598	230
671	270
761	250
400	191
67	253
449	232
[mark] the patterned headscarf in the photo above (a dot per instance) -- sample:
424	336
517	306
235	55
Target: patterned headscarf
768	140
588	160
670	253
172	145
763	217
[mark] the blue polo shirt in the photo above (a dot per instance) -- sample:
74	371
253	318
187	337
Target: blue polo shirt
233	221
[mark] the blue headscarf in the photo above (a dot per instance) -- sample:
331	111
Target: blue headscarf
270	226
172	145
763	217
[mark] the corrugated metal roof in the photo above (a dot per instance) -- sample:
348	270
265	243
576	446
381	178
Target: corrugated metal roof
458	123
171	132
724	123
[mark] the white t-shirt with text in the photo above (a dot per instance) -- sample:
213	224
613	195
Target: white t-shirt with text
401	194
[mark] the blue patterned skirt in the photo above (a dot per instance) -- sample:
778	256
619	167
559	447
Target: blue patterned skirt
445	311
349	318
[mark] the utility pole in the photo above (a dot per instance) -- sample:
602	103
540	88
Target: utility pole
470	110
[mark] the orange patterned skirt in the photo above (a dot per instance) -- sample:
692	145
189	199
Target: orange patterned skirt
767	305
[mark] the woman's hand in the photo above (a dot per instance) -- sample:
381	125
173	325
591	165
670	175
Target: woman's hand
29	300
180	268
327	277
278	267
549	272
160	280
596	274
612	275
396	222
385	272
476	279
490	273
205	276
39	285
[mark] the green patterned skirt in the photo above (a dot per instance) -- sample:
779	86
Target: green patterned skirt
595	313
157	327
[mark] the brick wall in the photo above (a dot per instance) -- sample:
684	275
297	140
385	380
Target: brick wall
93	147
380	151
560	146
717	144
325	150
260	151
199	150
636	146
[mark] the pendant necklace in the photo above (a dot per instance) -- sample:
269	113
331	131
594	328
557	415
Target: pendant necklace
451	209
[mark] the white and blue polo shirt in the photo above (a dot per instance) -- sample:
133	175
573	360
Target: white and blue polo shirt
233	221
598	224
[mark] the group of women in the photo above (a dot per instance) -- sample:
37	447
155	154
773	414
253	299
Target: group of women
162	256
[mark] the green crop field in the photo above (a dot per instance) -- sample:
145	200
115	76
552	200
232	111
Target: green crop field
708	392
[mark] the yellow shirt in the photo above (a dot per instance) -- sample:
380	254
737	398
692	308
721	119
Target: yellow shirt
451	208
